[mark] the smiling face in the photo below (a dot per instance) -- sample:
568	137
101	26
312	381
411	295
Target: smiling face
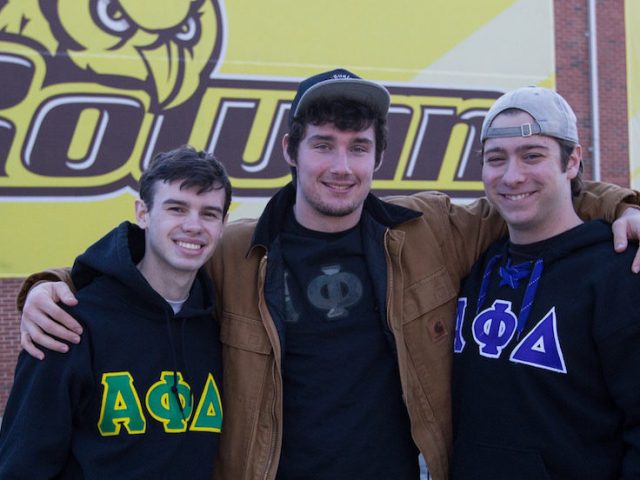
334	174
182	229
523	178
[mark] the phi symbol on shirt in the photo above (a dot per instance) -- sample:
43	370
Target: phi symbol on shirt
494	328
334	291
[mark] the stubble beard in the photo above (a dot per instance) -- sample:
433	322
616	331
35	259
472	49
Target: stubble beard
335	211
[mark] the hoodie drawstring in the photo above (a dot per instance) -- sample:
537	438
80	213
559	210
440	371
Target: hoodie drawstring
185	373
174	387
511	276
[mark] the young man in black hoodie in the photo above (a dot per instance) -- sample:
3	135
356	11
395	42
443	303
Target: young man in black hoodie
139	396
545	379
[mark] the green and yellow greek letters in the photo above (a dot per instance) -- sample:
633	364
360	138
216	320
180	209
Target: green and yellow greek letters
162	402
120	405
208	417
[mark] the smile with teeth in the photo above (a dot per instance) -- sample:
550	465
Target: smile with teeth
189	245
338	186
519	196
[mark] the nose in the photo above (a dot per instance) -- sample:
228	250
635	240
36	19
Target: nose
192	223
513	172
341	162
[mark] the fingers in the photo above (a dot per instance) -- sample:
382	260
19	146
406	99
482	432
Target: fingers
38	328
624	228
36	336
635	266
41	326
55	321
62	293
41	308
619	228
45	323
27	344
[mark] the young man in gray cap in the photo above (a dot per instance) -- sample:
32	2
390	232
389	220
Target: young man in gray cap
336	307
546	361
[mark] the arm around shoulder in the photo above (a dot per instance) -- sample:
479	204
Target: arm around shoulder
463	231
43	321
601	200
51	275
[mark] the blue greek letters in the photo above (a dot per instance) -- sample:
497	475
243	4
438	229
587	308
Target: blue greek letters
541	348
493	329
458	341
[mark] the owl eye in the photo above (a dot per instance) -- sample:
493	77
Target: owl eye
188	31
112	16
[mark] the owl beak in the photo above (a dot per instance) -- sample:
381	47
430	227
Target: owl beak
172	73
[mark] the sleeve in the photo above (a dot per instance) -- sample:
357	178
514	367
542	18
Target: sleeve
606	201
618	341
52	275
466	231
462	232
35	439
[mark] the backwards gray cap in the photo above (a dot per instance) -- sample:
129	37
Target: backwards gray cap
552	114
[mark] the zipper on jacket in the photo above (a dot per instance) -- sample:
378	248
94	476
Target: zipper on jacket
404	382
275	432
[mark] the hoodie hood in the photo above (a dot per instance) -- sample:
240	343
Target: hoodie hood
116	255
580	237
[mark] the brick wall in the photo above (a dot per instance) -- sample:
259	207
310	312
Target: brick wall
572	77
9	335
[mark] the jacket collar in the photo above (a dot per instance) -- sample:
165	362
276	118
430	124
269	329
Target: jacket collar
271	222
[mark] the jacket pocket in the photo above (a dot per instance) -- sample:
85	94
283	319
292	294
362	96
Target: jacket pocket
431	300
244	334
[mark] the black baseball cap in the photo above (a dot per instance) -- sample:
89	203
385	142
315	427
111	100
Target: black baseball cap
340	83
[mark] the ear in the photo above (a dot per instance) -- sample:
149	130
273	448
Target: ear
142	214
285	144
379	163
574	162
224	224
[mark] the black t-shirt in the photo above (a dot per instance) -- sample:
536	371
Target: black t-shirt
343	412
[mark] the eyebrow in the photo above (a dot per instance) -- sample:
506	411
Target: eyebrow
520	149
331	138
174	201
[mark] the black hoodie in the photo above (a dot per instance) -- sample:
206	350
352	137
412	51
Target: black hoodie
108	408
560	399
